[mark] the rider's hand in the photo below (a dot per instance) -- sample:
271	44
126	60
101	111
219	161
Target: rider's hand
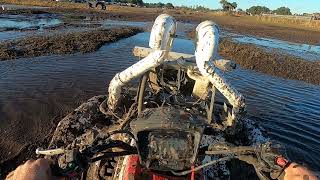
298	172
32	170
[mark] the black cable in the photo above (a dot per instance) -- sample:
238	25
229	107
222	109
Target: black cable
107	155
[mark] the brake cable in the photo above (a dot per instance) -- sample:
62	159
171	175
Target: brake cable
200	167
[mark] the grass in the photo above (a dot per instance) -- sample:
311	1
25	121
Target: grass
314	24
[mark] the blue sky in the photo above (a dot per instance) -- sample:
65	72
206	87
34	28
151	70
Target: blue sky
296	6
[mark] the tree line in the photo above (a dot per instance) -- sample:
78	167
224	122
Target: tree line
151	5
263	9
226	6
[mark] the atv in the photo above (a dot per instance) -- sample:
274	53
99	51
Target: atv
98	4
183	120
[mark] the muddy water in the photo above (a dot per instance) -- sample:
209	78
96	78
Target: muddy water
289	111
27	21
11	35
34	91
13	26
16	7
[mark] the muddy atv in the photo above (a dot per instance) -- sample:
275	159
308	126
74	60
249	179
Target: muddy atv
183	120
98	4
315	16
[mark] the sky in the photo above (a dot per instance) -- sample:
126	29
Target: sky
296	6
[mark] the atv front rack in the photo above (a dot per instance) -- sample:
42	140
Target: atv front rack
204	67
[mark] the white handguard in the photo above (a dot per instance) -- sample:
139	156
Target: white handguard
161	39
207	34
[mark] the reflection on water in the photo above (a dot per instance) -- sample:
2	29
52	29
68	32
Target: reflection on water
116	23
305	51
33	91
8	23
182	28
287	109
10	35
24	22
17	7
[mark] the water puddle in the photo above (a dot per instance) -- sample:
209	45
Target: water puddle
182	28
115	23
305	51
17	7
10	35
22	22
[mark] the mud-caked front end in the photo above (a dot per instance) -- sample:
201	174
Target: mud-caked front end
168	138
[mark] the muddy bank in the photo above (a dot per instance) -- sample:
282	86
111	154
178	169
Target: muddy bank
24	12
274	63
73	25
68	43
245	25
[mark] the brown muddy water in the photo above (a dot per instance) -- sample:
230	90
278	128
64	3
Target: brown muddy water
37	92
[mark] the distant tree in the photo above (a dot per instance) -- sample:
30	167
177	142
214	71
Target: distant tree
235	5
240	10
138	2
283	11
169	6
223	4
201	8
160	5
227	6
258	10
121	1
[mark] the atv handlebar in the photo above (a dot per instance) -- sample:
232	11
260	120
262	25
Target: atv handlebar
72	162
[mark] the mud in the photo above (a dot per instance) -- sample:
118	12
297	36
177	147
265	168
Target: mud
24	12
274	63
73	25
68	43
239	25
